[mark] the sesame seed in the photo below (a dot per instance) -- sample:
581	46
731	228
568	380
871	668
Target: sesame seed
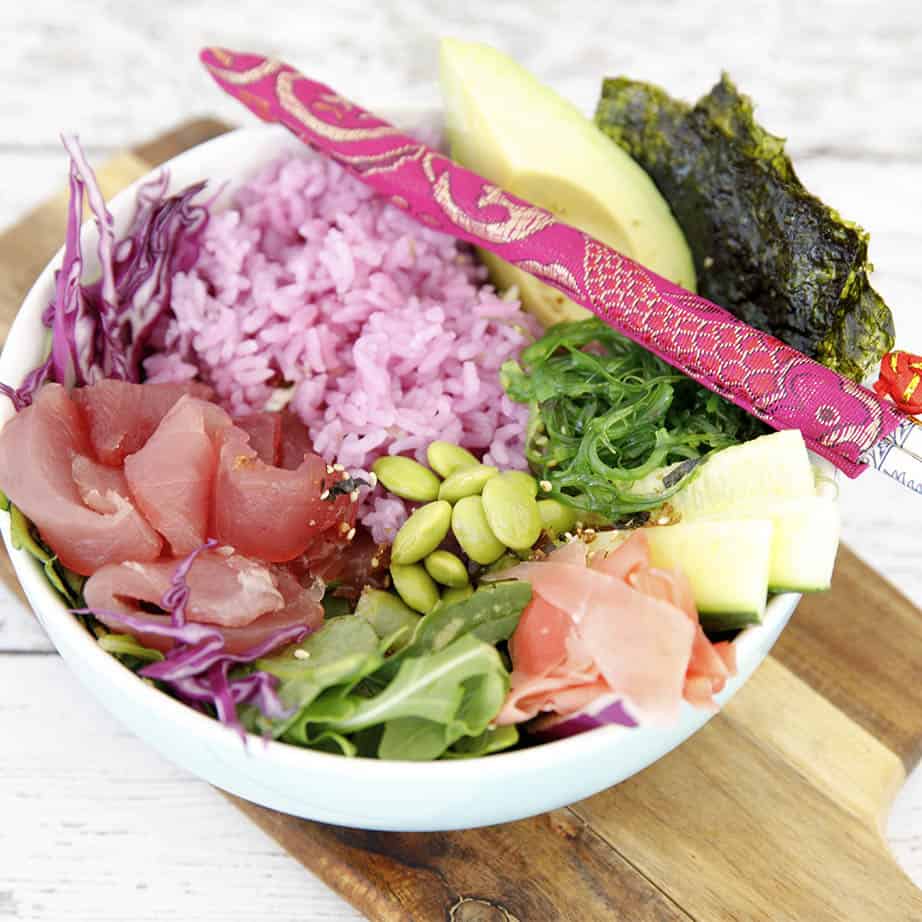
312	522
302	654
545	486
338	467
329	468
350	534
344	528
354	495
325	494
372	480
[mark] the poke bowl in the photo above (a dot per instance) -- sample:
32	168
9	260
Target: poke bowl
389	793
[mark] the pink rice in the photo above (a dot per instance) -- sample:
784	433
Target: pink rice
384	329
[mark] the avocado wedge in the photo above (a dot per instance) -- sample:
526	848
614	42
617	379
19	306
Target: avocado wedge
504	124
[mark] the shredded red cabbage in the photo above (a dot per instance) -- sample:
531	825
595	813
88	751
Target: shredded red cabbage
184	661
225	694
196	668
101	330
176	598
22	396
189	634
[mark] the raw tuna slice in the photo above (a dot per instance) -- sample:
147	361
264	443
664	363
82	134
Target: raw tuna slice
351	565
271	513
295	441
122	416
38	449
100	487
265	432
172	476
246	599
224	589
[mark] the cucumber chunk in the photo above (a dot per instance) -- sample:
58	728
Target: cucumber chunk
805	540
771	467
726	562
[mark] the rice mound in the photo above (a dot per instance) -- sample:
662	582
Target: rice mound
382	329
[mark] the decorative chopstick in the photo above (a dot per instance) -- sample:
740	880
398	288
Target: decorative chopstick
844	422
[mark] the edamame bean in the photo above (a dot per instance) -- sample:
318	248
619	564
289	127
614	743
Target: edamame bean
468	481
445	458
522	479
470	527
556	517
511	511
446	568
415	586
406	478
450	596
422	533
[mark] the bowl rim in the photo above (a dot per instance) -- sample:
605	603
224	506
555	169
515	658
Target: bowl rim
42	598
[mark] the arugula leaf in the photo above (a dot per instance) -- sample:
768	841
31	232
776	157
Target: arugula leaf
418	739
325	740
388	615
445	685
412	739
342	652
490	614
432	686
471	747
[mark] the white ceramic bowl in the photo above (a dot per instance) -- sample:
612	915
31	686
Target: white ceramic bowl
356	792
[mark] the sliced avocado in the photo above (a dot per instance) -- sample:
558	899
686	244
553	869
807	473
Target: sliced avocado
505	125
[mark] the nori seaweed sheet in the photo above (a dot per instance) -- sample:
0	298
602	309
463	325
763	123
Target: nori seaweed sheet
764	248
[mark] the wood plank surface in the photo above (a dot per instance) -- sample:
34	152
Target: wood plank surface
859	647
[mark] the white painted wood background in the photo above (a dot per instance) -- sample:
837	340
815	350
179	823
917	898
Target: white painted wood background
93	826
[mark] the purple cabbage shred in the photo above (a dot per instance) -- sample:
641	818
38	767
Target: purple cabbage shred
176	598
197	667
102	329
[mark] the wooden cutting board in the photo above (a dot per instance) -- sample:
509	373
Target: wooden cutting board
772	812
